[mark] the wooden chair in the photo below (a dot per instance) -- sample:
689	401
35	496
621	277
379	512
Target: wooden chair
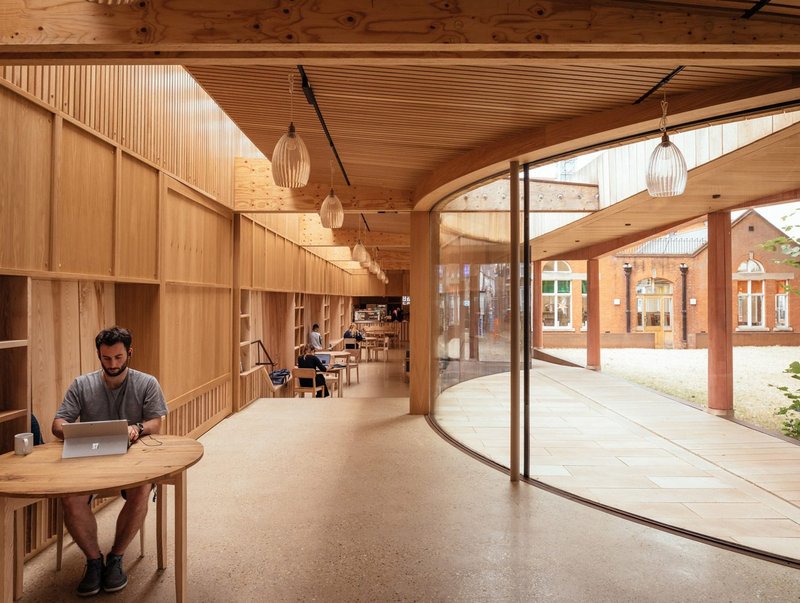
60	530
306	373
352	363
351	341
382	349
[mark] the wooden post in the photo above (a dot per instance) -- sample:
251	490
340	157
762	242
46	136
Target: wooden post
422	308
720	314
593	301
537	340
514	320
474	310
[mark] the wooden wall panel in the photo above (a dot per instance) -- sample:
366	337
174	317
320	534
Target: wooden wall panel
246	253
198	241
25	181
259	256
137	220
54	346
84	214
197	336
158	112
96	312
137	310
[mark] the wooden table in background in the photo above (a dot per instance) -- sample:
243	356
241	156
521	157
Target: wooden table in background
342	357
44	474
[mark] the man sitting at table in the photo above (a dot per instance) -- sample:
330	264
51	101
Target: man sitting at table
114	392
307	359
315	337
353	333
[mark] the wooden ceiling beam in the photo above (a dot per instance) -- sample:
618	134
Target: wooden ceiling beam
545	195
255	192
589	131
312	234
57	31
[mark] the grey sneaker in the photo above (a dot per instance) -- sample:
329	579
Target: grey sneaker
92	575
114	578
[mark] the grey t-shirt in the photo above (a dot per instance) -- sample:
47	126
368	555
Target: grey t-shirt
138	399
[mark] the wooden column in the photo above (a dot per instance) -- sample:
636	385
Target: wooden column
720	314
474	310
422	308
593	327
514	322
537	340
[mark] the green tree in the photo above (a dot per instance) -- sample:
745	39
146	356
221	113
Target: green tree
791	424
791	249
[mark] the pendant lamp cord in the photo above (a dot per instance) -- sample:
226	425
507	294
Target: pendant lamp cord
663	124
291	96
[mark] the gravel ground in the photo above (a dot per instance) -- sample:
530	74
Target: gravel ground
683	374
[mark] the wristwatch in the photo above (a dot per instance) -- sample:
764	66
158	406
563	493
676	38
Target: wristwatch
140	427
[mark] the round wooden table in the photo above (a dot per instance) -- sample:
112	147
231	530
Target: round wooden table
160	459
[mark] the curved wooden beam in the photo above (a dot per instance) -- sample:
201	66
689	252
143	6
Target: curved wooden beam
593	130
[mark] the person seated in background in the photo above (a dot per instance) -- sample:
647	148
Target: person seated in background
315	337
353	333
307	359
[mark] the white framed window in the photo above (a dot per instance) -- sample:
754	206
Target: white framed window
750	295
782	306
556	295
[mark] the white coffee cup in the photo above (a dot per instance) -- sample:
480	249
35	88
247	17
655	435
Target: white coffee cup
23	443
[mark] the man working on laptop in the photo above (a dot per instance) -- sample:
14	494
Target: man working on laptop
114	392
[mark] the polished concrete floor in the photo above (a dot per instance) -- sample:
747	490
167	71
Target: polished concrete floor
355	500
634	449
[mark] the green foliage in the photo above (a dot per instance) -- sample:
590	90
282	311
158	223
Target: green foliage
791	424
786	245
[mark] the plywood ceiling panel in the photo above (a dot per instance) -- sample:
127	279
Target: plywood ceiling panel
393	125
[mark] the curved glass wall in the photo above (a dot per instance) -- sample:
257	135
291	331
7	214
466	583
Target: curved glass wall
472	276
594	433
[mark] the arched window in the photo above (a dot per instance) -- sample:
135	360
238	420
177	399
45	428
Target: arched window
556	295
750	298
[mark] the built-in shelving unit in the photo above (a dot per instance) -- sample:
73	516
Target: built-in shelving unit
326	319
14	359
299	323
245	358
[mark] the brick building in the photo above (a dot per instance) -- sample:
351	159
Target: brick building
642	292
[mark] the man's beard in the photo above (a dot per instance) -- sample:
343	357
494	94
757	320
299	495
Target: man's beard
117	371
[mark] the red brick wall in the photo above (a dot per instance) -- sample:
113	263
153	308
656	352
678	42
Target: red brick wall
612	286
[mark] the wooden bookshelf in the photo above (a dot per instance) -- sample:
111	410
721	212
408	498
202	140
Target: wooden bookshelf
14	359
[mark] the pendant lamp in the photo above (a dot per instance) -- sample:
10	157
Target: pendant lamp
359	252
331	214
666	172
366	261
291	164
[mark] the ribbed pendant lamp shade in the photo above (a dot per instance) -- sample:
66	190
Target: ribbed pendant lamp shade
331	214
666	172
359	252
291	164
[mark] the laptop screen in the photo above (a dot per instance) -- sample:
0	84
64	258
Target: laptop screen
324	358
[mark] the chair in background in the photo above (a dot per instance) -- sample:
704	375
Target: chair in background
352	363
311	375
350	343
382	347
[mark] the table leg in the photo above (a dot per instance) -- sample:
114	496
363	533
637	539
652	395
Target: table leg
161	525
7	548
19	551
180	538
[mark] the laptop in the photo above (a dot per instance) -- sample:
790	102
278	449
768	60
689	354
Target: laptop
95	438
325	359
